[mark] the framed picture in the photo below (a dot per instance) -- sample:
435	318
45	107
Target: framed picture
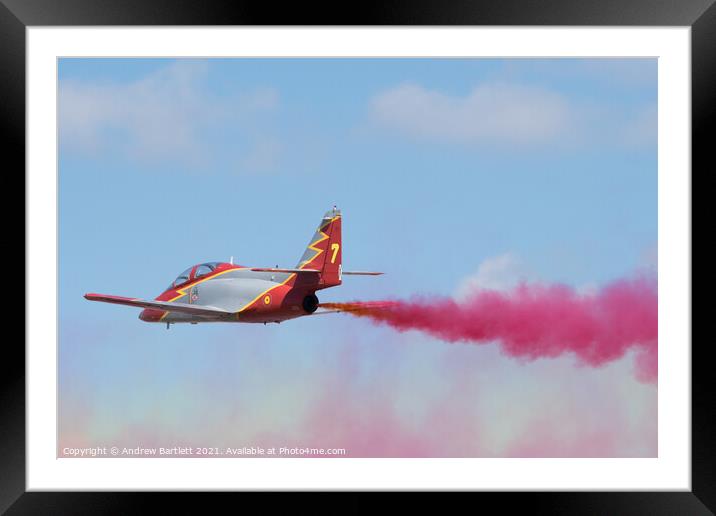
512	311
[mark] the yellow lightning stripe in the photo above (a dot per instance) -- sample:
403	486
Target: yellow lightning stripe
182	291
264	293
306	262
324	237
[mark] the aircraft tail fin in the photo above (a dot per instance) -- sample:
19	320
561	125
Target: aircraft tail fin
324	250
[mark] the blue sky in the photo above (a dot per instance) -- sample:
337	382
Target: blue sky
448	172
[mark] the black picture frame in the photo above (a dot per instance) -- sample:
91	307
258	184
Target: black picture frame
17	15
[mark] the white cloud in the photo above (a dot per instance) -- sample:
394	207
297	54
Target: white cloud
164	115
502	114
506	271
502	272
490	113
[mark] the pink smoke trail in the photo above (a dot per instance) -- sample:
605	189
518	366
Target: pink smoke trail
534	321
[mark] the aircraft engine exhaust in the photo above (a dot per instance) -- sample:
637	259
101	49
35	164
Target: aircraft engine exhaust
310	303
534	321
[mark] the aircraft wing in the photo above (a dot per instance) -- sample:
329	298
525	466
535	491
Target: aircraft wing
206	311
271	269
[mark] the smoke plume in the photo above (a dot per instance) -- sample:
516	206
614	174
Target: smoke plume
534	321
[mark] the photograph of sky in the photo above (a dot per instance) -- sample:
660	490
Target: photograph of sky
468	182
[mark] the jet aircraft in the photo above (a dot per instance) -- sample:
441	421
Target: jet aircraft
225	292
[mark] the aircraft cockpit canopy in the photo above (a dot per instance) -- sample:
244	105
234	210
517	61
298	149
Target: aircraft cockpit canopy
194	272
182	278
205	268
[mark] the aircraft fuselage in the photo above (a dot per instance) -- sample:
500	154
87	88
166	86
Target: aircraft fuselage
250	296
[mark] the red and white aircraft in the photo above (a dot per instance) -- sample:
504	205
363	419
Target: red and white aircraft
224	292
